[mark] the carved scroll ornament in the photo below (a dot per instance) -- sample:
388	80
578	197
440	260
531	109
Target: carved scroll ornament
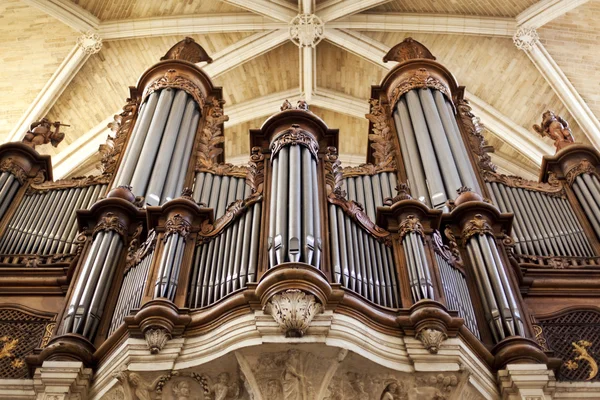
581	349
333	176
293	310
9	165
584	167
477	226
554	187
111	222
236	209
411	224
172	79
421	78
187	50
474	129
136	254
177	225
382	138
76	182
210	140
294	136
403	194
255	176
114	146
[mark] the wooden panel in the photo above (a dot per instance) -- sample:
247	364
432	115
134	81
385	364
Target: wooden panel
32	46
101	86
344	72
108	10
495	71
572	41
273	72
488	8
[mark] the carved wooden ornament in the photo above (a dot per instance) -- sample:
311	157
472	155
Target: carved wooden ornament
187	50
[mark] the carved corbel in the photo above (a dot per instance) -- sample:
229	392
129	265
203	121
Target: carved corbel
431	339
293	310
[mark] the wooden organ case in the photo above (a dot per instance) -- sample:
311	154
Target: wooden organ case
454	279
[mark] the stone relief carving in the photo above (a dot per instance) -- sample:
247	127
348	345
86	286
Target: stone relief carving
156	339
431	339
293	310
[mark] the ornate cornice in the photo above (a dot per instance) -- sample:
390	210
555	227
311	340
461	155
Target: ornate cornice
121	127
421	78
477	226
9	165
172	79
382	138
583	167
208	230
411	224
476	140
77	182
176	224
255	175
554	187
210	140
295	136
111	222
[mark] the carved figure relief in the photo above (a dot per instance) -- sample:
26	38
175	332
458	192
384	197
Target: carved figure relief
556	128
41	132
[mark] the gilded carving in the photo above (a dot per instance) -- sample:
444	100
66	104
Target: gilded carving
382	138
47	334
411	224
477	226
221	388
581	349
156	339
539	337
111	222
421	78
554	187
210	140
408	49
293	310
173	80
177	225
9	165
431	339
584	167
556	128
40	132
187	50
294	136
474	129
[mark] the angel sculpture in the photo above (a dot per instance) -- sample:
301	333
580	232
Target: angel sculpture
135	387
40	132
556	129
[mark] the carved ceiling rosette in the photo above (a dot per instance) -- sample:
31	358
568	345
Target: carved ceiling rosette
111	222
295	136
411	224
172	79
583	167
477	226
293	310
421	78
177	224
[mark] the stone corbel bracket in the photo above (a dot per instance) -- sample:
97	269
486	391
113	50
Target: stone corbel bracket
293	294
158	321
431	323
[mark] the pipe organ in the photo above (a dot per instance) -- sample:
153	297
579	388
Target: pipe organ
424	240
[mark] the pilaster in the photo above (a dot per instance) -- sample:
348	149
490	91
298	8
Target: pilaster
62	380
526	382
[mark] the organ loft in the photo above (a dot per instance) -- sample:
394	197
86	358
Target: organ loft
420	274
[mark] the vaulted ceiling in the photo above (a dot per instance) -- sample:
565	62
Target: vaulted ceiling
43	74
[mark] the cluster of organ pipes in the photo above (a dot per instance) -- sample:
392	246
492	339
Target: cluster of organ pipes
293	206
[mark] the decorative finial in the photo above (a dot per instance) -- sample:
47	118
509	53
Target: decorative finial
408	49
40	132
556	128
187	50
302	105
403	194
187	193
286	105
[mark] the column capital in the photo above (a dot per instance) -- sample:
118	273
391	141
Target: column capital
525	38
89	42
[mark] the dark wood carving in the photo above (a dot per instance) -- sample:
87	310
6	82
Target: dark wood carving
556	128
382	138
41	132
9	165
474	129
172	79
554	187
420	78
408	49
583	167
187	50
